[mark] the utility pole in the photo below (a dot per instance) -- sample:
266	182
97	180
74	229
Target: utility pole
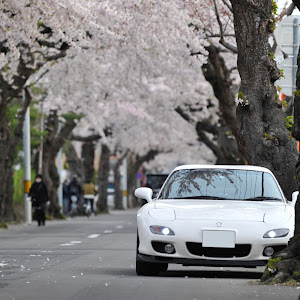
40	171
27	165
124	182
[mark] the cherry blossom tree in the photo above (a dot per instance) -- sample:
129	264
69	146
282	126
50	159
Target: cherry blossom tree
256	121
34	33
143	67
260	117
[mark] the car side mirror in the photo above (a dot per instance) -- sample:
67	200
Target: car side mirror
294	198
144	193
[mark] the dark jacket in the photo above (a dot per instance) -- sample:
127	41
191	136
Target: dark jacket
65	191
74	188
39	194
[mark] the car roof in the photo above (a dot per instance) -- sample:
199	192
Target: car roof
230	167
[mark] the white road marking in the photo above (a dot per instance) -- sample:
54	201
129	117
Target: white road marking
108	231
2	265
93	236
120	226
72	243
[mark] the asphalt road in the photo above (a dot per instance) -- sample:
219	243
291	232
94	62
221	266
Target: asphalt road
94	258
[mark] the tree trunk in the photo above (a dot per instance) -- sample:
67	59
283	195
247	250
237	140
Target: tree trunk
288	267
103	174
229	148
5	164
217	74
117	185
87	158
54	140
51	179
223	145
74	163
8	147
261	127
27	65
132	169
134	163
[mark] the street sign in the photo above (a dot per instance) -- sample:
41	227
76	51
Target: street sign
284	34
286	82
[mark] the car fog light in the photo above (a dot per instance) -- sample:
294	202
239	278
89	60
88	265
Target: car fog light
169	248
269	251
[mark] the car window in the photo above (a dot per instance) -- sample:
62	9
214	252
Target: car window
221	183
155	181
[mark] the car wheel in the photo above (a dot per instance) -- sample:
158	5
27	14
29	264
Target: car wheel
146	268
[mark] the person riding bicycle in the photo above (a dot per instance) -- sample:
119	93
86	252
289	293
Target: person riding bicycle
89	192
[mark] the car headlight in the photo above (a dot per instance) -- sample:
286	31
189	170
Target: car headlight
276	233
161	230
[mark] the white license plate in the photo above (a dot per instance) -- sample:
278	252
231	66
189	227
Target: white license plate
218	239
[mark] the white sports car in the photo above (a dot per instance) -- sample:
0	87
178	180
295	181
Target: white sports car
233	216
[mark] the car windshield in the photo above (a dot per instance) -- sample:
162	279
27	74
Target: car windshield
220	184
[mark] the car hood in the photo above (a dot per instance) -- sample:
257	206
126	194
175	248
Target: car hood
221	210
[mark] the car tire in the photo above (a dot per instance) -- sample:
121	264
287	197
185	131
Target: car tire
147	268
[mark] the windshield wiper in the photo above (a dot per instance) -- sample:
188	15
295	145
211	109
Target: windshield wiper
260	198
203	197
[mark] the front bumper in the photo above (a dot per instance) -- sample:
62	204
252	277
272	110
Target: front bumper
190	232
201	262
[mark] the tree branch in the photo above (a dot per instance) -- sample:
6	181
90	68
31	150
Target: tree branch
228	5
60	139
38	79
218	35
291	8
228	46
184	115
206	126
90	138
204	139
222	41
147	157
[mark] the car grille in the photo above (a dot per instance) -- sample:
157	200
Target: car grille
238	251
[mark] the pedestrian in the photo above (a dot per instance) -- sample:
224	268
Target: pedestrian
74	190
39	197
65	197
89	192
